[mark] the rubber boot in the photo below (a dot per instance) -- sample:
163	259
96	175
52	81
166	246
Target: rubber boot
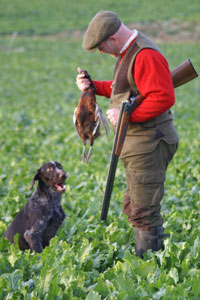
149	239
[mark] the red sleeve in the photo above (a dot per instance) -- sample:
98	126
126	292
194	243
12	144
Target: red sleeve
103	88
153	79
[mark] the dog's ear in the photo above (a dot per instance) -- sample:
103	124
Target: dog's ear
36	177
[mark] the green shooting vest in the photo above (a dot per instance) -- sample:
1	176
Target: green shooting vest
141	137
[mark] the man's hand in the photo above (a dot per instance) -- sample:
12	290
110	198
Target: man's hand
82	82
113	115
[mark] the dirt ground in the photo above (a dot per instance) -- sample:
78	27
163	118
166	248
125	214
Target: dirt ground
161	32
165	32
170	31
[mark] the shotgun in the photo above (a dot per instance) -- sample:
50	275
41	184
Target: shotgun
182	74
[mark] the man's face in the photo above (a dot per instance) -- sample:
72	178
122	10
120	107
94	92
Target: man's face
109	47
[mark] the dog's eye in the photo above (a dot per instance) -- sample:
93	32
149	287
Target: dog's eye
49	169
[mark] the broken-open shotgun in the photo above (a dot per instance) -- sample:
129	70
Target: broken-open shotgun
182	74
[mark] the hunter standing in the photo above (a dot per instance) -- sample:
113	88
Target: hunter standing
151	139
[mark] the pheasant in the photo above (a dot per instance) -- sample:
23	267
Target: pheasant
87	118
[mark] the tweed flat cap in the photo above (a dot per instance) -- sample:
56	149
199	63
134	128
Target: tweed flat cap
103	25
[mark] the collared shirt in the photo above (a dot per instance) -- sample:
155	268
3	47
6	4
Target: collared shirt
129	42
153	79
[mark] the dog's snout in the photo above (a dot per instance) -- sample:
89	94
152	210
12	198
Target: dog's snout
62	175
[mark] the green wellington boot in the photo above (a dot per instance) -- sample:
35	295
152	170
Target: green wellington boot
149	239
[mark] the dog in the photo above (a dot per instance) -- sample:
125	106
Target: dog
42	215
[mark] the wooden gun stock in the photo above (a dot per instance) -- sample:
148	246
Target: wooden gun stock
134	103
182	74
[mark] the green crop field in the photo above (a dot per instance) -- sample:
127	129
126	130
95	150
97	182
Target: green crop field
40	50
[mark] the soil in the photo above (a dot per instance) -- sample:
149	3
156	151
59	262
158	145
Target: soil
170	31
161	31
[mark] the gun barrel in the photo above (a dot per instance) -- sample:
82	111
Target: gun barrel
109	187
112	170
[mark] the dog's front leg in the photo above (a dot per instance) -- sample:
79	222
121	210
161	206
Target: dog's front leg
55	222
33	236
59	216
34	241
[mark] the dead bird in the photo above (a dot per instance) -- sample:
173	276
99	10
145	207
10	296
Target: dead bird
88	117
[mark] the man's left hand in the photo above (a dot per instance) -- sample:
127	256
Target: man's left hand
113	115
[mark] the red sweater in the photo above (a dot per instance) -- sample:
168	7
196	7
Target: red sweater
153	79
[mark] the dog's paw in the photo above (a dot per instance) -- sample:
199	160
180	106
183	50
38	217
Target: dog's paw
34	243
27	236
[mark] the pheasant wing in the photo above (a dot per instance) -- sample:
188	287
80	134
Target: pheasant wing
99	116
75	120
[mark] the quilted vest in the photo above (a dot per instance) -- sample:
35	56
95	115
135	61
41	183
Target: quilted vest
141	137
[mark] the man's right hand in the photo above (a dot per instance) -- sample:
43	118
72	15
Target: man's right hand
82	82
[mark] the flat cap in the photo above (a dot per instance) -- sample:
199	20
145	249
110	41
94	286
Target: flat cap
103	25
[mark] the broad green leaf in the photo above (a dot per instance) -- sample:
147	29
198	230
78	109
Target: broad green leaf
160	293
2	228
93	296
38	95
196	248
173	273
15	279
145	268
12	258
195	284
86	252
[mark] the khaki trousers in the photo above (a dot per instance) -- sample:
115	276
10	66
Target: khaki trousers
145	176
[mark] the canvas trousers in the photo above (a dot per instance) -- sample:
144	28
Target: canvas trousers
145	177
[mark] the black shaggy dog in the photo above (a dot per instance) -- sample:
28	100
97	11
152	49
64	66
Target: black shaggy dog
42	215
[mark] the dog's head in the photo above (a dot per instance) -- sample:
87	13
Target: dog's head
52	175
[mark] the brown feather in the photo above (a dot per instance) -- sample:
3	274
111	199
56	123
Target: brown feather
86	120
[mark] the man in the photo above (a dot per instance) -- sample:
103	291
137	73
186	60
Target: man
151	139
